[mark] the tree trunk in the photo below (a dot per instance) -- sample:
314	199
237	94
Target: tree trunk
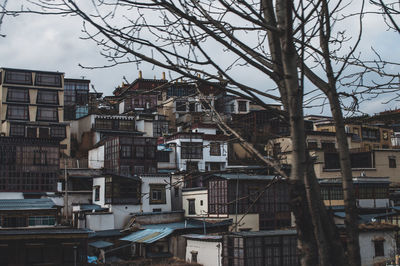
351	221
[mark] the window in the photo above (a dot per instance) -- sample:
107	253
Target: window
192	107
127	125
312	144
18	95
17	130
96	193
41	220
192	166
157	194
150	152
157	210
194	256
47	97
215	149
18	77
215	166
53	80
40	157
14	221
31	132
242	106
44	133
47	114
379	248
392	161
103	124
139	151
191	150
126	151
58	132
139	169
192	206
385	135
356	131
328	146
17	112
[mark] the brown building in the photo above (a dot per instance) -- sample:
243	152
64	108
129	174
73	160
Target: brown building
32	105
29	164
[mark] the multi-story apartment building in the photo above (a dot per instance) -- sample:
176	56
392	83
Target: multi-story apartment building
32	105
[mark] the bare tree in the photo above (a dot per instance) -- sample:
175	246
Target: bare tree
299	47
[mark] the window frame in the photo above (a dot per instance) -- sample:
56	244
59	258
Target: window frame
160	191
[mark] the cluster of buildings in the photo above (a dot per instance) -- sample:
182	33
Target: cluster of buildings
149	174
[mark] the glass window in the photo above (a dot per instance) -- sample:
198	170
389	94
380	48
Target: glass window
17	95
18	77
126	151
379	248
157	194
392	161
215	149
139	151
103	124
192	206
127	125
53	80
17	130
192	150
47	97
47	114
163	156
58	132
18	112
180	106
41	220
242	106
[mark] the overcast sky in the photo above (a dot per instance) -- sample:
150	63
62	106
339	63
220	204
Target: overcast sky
55	43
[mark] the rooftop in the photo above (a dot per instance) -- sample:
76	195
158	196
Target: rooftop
243	176
266	233
26	204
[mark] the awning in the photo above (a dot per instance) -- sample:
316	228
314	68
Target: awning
100	244
148	235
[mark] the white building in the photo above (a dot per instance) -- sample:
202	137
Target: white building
204	249
200	150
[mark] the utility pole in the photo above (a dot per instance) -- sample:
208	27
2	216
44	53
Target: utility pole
65	189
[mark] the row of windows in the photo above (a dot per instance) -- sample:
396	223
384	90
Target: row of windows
20	130
21	112
23	221
22	95
128	125
361	192
25	78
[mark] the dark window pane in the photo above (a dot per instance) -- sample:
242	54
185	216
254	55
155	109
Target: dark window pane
18	77
47	114
53	80
47	97
18	112
58	132
17	130
17	95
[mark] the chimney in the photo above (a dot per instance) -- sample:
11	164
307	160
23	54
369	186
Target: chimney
140	74
163	75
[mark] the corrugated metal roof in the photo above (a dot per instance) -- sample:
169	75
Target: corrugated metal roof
242	176
267	233
148	236
100	244
203	237
26	204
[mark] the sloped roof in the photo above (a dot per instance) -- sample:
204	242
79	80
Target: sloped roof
100	244
26	204
243	176
148	235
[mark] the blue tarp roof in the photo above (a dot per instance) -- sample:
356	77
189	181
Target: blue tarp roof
148	235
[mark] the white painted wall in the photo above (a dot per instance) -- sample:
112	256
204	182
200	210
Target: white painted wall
122	214
367	249
251	221
96	158
78	127
209	131
154	179
208	253
198	196
101	182
121	107
98	222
